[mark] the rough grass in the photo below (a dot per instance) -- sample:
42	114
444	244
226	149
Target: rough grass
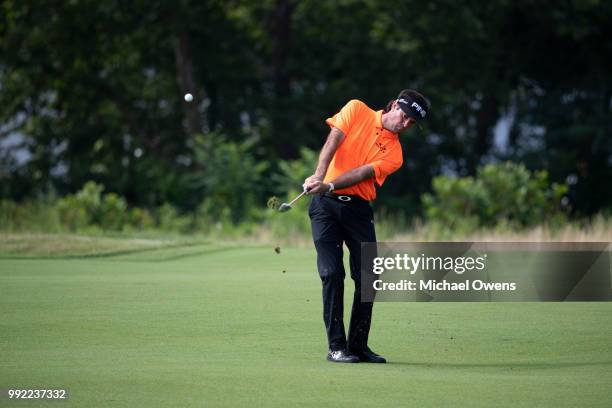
73	245
396	230
597	230
218	325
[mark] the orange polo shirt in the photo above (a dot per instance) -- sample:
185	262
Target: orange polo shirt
365	142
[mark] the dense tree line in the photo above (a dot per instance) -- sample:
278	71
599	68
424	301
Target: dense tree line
93	90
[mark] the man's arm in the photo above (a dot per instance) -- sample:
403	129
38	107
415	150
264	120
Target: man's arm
345	180
335	137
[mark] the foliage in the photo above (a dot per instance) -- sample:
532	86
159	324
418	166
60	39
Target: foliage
93	91
89	207
229	178
107	104
292	173
505	194
169	219
38	215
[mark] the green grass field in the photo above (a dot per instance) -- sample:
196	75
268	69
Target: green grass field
222	325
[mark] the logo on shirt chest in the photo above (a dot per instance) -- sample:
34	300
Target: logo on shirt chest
381	147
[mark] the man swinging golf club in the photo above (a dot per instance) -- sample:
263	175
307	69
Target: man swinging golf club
362	148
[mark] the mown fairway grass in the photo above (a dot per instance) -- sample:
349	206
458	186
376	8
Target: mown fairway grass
224	326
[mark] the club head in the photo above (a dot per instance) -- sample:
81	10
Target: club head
284	207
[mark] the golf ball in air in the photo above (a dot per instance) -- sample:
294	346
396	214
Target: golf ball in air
188	97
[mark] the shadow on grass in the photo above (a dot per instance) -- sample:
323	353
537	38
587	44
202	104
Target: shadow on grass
181	256
502	365
140	251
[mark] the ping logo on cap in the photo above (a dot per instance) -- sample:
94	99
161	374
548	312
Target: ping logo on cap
418	109
415	106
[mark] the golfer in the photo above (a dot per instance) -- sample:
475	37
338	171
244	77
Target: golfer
361	150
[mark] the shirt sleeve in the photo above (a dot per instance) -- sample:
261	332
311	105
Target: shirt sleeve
345	118
386	165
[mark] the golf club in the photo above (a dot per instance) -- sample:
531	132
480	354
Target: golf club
287	206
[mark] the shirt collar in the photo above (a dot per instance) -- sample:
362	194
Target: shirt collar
378	123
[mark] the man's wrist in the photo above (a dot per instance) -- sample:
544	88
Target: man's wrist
331	187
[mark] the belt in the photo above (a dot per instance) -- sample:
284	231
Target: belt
345	197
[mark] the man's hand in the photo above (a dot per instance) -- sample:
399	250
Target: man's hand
314	185
312	181
317	187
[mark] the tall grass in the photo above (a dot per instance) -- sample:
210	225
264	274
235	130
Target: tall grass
598	229
290	228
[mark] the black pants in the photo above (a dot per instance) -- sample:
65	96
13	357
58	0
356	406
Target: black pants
335	222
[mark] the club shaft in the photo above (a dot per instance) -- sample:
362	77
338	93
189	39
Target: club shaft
297	198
